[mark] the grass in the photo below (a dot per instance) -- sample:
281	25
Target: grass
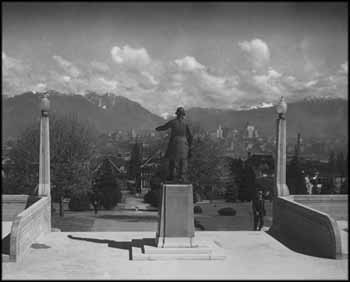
209	218
72	223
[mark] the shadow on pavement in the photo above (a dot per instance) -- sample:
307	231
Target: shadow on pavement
124	245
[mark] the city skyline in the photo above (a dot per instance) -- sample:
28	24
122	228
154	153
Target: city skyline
162	55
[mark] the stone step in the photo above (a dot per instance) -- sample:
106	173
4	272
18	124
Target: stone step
137	255
155	250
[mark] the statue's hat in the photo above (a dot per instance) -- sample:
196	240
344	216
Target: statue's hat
180	111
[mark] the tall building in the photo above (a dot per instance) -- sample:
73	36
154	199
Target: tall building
219	132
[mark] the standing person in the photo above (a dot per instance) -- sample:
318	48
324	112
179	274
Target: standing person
179	146
258	210
95	204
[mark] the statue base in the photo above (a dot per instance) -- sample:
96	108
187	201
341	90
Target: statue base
176	221
175	236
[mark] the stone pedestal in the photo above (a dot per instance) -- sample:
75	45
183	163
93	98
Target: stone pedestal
176	221
175	236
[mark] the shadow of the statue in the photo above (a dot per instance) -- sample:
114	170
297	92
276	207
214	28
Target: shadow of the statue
124	245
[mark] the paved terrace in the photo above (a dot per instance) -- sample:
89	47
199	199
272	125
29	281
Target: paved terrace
249	255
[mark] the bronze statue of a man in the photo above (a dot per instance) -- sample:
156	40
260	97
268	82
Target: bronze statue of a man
179	146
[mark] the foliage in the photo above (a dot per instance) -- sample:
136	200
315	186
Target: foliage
135	161
79	200
295	178
228	211
245	180
71	146
204	164
106	186
197	209
153	197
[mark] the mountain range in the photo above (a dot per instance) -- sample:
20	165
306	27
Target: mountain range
316	117
320	118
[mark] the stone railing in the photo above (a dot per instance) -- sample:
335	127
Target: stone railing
305	229
28	226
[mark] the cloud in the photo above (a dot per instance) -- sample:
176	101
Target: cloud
269	83
109	85
344	68
150	77
160	86
131	57
311	83
100	66
10	64
40	87
67	66
257	52
16	75
189	63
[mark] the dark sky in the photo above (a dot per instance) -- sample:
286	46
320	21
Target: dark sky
219	54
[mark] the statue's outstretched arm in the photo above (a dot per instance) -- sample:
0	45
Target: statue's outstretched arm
164	127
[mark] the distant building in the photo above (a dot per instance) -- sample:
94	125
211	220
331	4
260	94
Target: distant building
219	133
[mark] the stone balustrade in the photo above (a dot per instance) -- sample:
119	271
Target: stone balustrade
28	225
334	205
305	229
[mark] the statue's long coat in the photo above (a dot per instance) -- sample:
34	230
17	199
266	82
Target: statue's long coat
180	139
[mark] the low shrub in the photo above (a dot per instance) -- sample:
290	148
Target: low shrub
153	197
197	209
198	225
227	211
79	202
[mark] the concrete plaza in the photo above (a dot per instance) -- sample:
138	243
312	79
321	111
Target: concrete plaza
105	255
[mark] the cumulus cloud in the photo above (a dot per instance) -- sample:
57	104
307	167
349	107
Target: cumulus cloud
311	83
10	64
160	86
100	66
40	87
150	77
131	57
257	52
16	75
67	66
189	63
269	82
109	85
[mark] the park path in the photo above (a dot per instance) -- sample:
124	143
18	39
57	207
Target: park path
132	215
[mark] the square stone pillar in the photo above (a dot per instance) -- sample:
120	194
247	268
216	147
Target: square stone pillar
176	221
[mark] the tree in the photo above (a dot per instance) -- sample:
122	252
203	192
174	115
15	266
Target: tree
134	170
247	183
341	164
204	165
71	147
295	178
106	186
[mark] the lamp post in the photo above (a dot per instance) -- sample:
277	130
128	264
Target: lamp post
281	188
44	162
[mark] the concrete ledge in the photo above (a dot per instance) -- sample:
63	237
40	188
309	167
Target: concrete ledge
204	251
305	229
28	226
334	205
